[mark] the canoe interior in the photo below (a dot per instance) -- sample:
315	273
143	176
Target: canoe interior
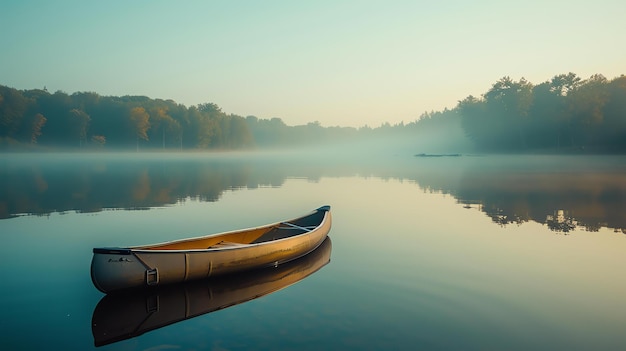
258	235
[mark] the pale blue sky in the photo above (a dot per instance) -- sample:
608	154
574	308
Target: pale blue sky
347	63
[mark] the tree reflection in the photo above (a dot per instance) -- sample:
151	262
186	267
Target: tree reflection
502	217
84	185
563	193
561	222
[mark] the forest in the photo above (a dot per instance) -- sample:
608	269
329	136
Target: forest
566	114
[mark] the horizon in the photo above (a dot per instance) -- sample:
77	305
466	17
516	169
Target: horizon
348	64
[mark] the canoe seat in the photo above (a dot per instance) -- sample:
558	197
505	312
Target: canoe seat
224	243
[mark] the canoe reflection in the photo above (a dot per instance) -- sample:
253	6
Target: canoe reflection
126	315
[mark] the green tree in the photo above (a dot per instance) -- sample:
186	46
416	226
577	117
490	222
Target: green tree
544	116
213	127
614	129
508	103
562	84
240	135
13	106
78	125
476	122
586	104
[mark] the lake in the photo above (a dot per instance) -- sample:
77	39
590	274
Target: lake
425	253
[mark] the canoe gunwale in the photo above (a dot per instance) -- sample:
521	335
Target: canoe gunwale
112	250
222	248
146	248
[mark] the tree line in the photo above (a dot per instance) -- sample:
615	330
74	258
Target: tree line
86	119
564	114
89	120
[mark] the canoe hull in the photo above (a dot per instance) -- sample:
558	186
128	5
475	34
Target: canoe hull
132	313
116	269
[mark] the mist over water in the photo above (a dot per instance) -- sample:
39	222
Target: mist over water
510	189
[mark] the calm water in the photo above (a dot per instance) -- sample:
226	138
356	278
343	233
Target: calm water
443	253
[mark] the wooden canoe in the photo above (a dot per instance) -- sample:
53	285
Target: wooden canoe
202	257
131	313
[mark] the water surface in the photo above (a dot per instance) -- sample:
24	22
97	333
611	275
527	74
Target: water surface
467	253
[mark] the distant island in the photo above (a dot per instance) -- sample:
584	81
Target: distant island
437	155
563	115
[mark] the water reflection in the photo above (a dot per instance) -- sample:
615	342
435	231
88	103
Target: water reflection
562	192
122	316
53	183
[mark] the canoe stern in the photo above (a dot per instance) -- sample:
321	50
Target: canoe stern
116	269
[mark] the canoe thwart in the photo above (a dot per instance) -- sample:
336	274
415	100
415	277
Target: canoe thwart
224	243
293	226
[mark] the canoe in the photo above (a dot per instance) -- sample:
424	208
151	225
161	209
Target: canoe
183	260
132	313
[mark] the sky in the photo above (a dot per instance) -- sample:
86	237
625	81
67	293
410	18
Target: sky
341	63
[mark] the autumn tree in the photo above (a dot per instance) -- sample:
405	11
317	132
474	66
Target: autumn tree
98	140
139	123
38	122
161	124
